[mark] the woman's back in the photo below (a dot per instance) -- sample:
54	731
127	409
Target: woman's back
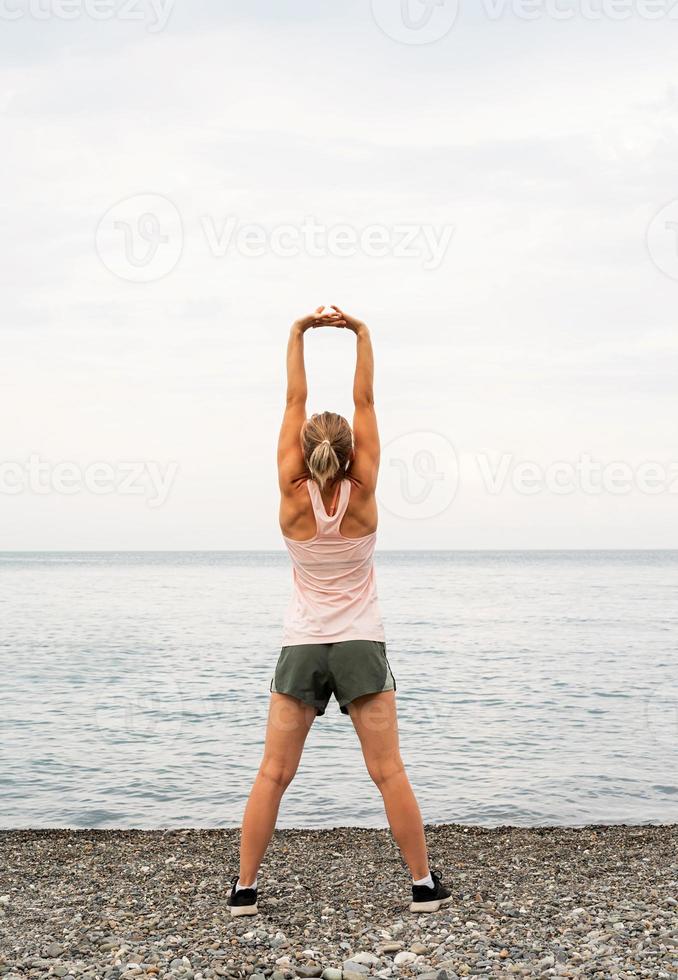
334	584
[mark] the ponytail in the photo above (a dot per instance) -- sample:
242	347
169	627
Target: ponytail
327	443
323	464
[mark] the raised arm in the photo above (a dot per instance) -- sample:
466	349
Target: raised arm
291	467
365	465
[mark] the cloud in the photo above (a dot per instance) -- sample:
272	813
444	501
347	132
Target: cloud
548	162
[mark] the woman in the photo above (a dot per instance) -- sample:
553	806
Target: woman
333	639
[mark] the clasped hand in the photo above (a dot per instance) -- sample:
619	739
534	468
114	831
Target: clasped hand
334	317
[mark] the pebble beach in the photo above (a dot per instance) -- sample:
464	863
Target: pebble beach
598	901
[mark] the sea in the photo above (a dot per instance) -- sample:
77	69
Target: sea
533	688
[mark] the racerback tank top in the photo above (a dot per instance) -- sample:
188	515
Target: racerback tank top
334	594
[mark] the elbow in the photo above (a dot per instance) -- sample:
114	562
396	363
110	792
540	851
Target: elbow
364	399
296	398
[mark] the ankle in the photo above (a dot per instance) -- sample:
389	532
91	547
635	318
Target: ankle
239	883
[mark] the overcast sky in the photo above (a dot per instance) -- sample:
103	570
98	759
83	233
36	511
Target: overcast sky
493	194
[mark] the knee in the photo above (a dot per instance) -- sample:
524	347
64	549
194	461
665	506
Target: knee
381	770
277	772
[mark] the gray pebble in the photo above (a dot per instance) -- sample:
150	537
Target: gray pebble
558	901
367	959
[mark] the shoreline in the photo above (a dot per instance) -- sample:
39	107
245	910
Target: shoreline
600	900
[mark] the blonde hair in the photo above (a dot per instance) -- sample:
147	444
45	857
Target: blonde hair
327	444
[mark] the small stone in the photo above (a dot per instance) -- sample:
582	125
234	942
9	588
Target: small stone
308	971
419	949
405	956
369	959
391	947
331	973
53	950
351	966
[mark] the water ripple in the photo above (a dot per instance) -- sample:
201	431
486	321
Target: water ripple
533	688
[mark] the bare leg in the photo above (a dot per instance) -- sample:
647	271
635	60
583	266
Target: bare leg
376	722
289	721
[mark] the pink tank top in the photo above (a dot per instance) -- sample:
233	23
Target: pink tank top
335	589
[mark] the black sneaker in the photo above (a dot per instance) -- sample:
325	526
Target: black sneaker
243	901
425	899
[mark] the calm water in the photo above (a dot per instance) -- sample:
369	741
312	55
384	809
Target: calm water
536	687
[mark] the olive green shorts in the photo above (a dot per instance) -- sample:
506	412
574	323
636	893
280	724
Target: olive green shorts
313	672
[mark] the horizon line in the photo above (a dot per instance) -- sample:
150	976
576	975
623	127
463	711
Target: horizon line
222	551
